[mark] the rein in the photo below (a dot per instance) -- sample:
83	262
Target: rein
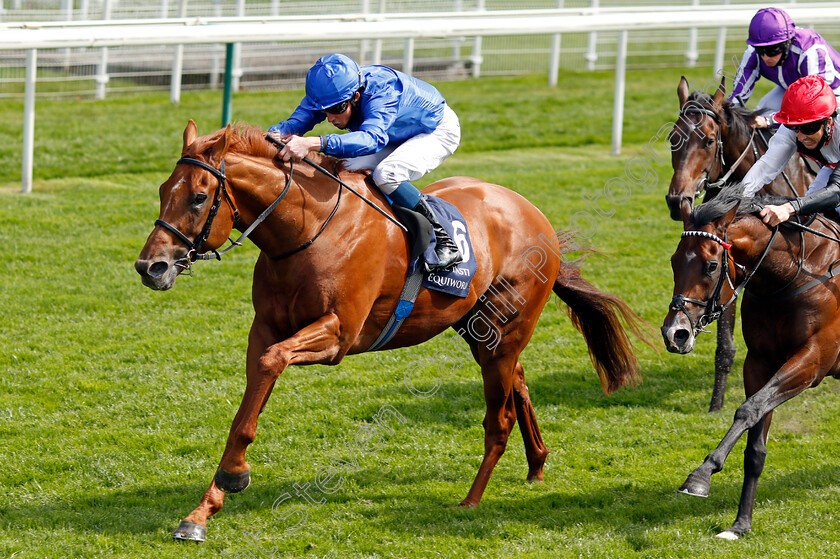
195	246
340	182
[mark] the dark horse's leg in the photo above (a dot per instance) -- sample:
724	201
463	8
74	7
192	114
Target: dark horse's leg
754	455
796	375
266	361
724	356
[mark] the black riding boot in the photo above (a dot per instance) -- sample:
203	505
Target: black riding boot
446	249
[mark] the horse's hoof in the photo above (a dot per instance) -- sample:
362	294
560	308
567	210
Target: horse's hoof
728	535
232	483
695	485
190	531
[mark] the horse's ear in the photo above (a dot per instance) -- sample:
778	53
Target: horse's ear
219	149
683	91
726	219
190	134
720	93
685	213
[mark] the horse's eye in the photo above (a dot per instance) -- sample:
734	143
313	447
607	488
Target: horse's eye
710	142
711	267
199	199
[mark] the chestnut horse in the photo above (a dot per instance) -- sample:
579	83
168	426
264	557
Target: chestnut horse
712	142
315	306
790	316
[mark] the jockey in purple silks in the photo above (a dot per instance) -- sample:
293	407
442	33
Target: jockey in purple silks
782	53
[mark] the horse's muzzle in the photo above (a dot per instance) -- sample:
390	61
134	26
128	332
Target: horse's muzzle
159	274
677	333
679	205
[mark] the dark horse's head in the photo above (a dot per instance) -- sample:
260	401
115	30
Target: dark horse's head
709	129
699	268
703	266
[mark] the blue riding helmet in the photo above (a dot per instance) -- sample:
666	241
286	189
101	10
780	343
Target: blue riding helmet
333	79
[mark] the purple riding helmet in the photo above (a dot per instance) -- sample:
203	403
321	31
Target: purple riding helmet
770	26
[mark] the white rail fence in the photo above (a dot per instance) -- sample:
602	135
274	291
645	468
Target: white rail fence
375	27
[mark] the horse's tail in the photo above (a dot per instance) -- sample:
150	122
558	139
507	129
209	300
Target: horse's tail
598	316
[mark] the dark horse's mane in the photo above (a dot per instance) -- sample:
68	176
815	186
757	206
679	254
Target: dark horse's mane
728	198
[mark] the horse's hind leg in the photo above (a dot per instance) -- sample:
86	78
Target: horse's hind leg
497	374
535	449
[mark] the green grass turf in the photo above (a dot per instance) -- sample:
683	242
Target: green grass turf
115	401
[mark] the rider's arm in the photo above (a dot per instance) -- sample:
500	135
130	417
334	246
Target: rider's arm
817	61
781	149
378	113
746	77
821	200
300	122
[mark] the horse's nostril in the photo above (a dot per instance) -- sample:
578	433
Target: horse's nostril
158	269
681	335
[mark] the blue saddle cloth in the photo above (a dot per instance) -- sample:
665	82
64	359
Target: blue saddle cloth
455	280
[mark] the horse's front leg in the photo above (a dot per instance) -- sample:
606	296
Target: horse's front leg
797	374
317	342
754	455
724	356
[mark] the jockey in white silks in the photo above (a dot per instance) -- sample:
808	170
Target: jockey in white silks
808	116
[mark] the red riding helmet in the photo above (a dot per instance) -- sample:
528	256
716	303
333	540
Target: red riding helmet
808	99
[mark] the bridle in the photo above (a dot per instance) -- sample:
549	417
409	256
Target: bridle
712	306
705	183
195	245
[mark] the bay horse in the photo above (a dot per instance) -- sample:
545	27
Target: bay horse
325	288
790	317
712	142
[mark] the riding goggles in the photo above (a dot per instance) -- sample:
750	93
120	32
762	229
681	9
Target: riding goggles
770	50
338	108
809	127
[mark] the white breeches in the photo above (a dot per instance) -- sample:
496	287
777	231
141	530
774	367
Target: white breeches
413	158
772	102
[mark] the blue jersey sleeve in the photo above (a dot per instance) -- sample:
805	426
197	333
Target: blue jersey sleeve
378	113
299	123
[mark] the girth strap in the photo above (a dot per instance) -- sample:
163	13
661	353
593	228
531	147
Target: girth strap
404	308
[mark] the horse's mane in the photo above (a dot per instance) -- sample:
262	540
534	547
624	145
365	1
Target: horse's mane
738	117
728	198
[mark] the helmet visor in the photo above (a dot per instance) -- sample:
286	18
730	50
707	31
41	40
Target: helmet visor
338	108
808	128
770	50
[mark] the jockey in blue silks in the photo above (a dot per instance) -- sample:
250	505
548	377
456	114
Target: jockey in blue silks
782	53
400	127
